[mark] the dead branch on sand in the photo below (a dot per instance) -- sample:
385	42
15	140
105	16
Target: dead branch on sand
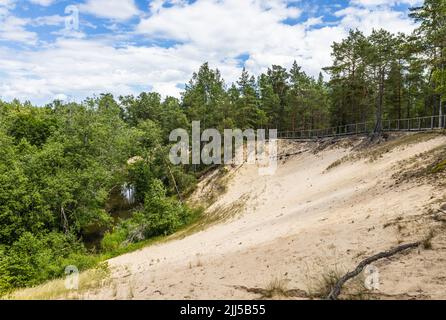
265	293
336	291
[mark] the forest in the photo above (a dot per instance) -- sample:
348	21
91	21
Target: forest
80	182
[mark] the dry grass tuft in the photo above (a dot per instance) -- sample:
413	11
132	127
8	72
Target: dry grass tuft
374	152
322	287
55	289
276	288
427	241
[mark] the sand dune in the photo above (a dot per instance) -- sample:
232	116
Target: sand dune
298	225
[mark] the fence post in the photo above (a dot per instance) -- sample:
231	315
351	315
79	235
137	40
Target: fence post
366	127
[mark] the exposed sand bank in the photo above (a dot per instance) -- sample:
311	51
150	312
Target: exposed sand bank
296	225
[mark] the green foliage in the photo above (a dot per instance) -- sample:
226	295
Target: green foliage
382	76
439	167
185	181
33	259
205	98
163	215
59	167
33	125
160	216
62	164
114	240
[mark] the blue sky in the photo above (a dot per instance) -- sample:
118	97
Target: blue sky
73	49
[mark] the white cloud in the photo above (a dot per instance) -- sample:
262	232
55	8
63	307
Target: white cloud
217	31
5	7
85	67
61	97
110	9
314	22
7	3
13	28
227	29
367	19
372	3
53	20
44	3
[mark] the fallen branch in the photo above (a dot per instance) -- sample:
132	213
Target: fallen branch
400	296
336	290
287	155
294	293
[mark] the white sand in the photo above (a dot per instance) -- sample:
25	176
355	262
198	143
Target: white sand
296	224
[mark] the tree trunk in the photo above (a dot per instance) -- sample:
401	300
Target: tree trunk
409	100
379	102
441	124
440	107
64	219
399	98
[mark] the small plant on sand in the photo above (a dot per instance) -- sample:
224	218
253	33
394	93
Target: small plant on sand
354	290
322	287
276	288
199	263
439	167
114	290
357	290
131	295
427	242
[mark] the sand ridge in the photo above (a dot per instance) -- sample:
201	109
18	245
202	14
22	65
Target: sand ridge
294	225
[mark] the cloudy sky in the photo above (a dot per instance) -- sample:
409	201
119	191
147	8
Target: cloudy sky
73	49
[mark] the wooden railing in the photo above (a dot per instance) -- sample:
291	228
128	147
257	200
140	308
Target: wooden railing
412	124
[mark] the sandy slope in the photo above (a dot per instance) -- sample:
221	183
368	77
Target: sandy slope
295	225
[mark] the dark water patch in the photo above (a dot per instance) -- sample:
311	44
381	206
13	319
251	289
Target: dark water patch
120	206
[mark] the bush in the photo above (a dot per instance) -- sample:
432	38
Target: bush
160	216
186	182
113	240
32	259
163	215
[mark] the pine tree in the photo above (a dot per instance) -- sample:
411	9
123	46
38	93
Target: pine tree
432	17
380	56
247	106
350	89
277	77
205	98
